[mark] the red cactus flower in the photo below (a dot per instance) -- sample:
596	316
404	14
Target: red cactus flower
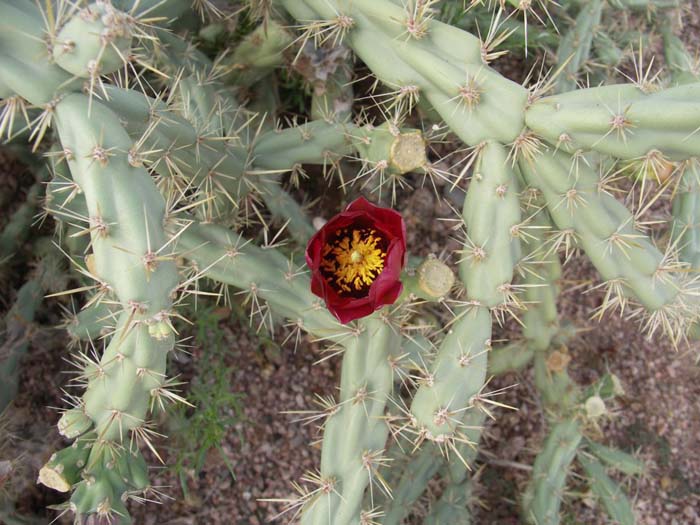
356	260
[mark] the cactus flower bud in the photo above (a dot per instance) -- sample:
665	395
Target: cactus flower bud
435	278
356	260
595	407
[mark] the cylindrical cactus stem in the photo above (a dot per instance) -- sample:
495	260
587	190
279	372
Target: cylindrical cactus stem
19	225
456	376
491	216
686	215
418	471
685	227
355	435
315	142
355	432
575	46
95	40
581	208
543	496
436	61
616	459
228	258
14	344
685	69
511	357
626	121
130	259
257	55
453	506
610	493
542	272
454	466
25	54
64	468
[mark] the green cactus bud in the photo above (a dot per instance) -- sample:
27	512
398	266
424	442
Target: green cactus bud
73	423
595	407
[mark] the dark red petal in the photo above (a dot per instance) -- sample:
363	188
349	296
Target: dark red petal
387	287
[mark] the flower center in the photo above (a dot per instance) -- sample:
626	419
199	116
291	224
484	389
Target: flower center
353	259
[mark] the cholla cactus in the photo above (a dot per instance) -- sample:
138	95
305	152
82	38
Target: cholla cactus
159	170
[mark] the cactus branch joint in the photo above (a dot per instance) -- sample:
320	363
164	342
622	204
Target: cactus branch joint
356	260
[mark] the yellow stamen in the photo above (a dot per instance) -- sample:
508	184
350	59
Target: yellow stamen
353	262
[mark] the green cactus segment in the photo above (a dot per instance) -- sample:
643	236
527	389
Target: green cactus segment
96	40
604	228
686	223
25	55
355	435
419	470
510	358
107	482
92	322
444	64
15	342
617	460
541	319
283	206
130	259
332	95
575	47
355	432
315	142
64	468
559	393
18	227
458	374
453	506
686	215
129	236
257	55
685	69
430	460
610	493
543	496
228	258
622	121
491	213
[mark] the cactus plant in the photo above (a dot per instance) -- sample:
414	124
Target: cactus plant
162	175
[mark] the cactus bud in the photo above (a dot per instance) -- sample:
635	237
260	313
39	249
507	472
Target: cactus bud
160	330
73	423
435	278
595	407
